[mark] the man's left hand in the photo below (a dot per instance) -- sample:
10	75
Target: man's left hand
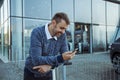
43	68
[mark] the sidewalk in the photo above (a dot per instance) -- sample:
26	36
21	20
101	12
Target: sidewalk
91	67
84	67
9	72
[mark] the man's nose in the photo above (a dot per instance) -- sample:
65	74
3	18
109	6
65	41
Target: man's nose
63	31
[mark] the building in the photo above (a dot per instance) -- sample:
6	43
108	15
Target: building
93	24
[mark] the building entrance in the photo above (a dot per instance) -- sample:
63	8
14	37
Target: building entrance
82	37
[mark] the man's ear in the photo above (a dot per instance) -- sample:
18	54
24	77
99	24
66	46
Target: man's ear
53	22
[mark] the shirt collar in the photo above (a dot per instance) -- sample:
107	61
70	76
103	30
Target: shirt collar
48	33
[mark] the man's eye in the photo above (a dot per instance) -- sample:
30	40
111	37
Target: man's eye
62	28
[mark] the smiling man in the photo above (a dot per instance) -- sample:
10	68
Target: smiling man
48	49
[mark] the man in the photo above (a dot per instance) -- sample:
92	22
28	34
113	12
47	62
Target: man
48	49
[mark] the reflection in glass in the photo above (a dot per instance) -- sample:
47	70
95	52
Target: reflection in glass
99	38
2	15
29	25
83	11
110	34
82	37
5	40
37	9
69	38
16	7
67	7
5	10
118	34
1	48
98	14
16	26
112	16
0	41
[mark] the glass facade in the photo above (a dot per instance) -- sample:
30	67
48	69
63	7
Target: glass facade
5	10
29	24
98	12
57	7
6	43
94	25
110	33
16	8
1	16
82	37
89	20
83	11
16	29
118	35
70	38
4	32
37	9
99	38
113	16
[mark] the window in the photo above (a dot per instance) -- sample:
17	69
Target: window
29	25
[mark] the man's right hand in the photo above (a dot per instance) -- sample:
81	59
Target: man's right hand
68	55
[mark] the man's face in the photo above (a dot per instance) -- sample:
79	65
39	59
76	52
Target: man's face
60	28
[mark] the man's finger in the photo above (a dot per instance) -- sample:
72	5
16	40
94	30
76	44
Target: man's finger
36	67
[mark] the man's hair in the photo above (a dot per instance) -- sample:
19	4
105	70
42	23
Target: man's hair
59	16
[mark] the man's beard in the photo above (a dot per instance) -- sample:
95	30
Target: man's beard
58	34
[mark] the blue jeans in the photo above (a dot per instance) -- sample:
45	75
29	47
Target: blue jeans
30	76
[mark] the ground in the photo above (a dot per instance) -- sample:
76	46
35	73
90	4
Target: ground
84	67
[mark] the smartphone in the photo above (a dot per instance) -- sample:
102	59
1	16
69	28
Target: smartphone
76	49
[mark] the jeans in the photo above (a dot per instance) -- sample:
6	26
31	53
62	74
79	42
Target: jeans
30	76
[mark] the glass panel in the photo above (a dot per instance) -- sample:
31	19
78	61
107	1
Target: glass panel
83	11
6	40
9	40
112	16
8	8
16	7
98	13
5	10
37	9
16	26
67	8
70	35
29	24
99	38
82	37
1	40
118	34
2	15
110	34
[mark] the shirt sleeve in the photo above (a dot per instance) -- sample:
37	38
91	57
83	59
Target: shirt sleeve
36	51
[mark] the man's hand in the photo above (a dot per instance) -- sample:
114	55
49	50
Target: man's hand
68	55
43	68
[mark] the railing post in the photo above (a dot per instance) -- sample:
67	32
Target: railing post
53	74
64	73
